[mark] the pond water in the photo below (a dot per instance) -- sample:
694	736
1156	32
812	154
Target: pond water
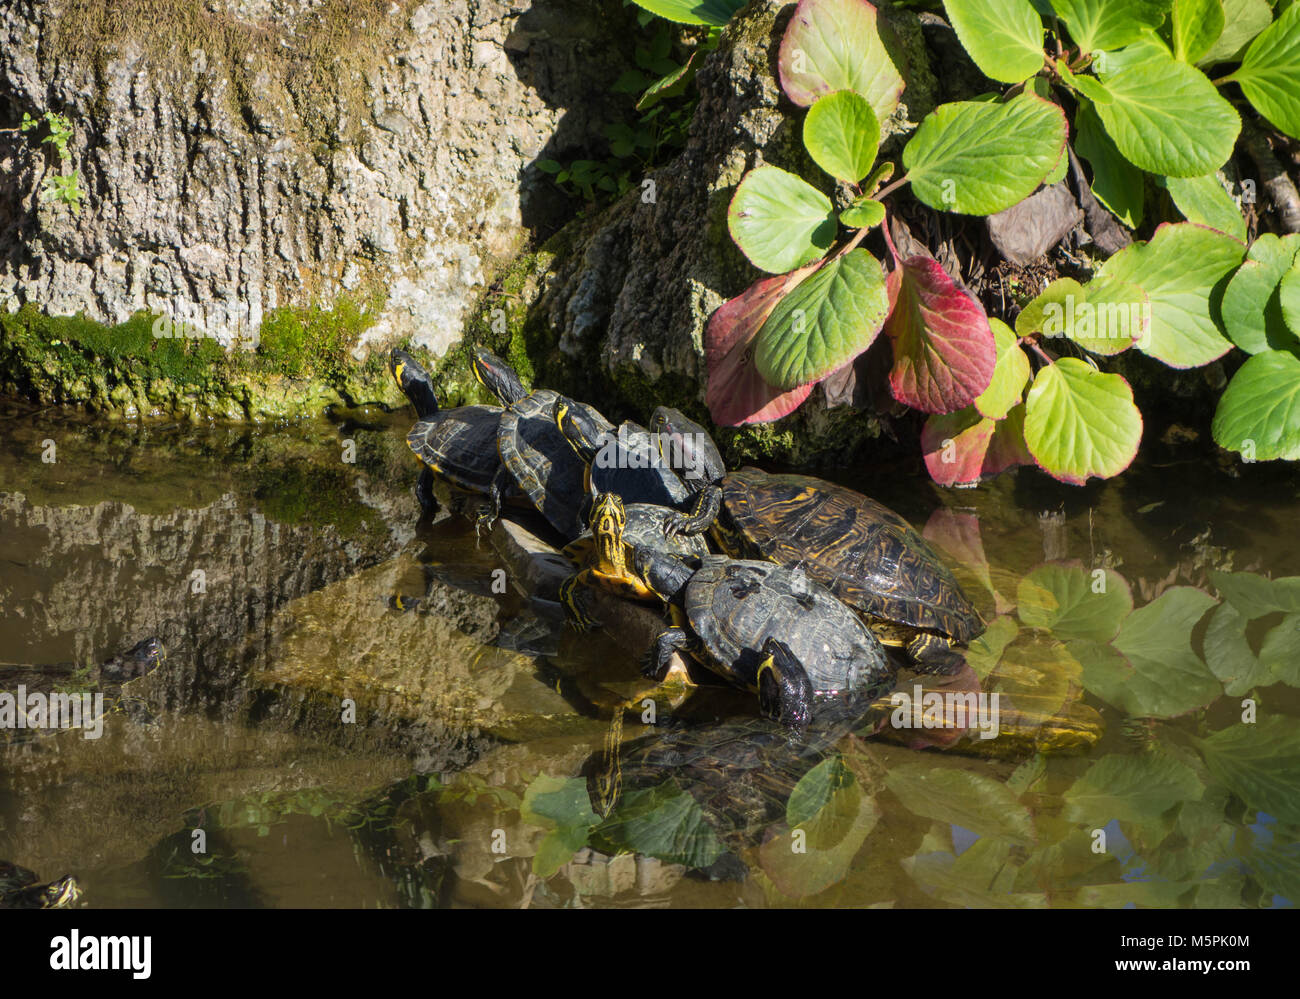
362	709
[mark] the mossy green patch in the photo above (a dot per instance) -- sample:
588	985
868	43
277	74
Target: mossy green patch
311	341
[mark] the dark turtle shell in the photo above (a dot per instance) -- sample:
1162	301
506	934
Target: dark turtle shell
630	466
19	890
866	554
644	529
541	461
735	605
459	445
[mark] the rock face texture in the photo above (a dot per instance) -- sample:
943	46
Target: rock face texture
239	155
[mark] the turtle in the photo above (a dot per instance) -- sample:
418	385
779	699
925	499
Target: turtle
19	889
625	462
766	628
867	555
37	700
456	445
605	552
531	448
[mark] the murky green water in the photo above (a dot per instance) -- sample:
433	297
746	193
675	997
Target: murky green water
362	710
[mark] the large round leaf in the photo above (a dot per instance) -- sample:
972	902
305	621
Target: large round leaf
1180	269
1259	412
842	135
1131	788
1288	295
1166	116
827	320
1072	602
1010	374
1252	306
1270	70
1003	37
1097	25
979	158
833	45
944	351
972	801
1261	763
714	12
736	393
1244	19
779	221
954	446
1116	182
1081	422
1197	25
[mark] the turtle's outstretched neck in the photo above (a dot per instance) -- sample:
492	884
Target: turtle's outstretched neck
414	382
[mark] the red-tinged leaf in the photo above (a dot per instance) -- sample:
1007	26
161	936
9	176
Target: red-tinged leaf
954	445
737	393
944	351
957	536
1008	448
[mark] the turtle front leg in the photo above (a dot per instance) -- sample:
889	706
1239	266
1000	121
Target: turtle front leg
424	491
708	504
491	510
572	591
935	654
657	660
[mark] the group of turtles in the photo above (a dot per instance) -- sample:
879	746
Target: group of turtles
786	585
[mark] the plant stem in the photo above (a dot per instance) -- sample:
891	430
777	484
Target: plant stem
890	188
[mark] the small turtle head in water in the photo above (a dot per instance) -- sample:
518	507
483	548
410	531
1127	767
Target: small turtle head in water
142	658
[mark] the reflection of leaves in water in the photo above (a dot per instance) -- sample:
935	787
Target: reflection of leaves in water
664	822
1131	788
970	800
1280	652
564	806
1065	599
1229	655
984	652
1260	763
829	818
1254	595
982	877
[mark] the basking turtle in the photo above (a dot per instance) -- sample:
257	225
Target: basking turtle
866	554
606	549
19	890
626	463
456	445
41	700
766	628
532	449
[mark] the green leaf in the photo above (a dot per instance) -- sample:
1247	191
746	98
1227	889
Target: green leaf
816	789
1244	20
1003	37
984	652
976	158
1260	763
842	135
1097	25
828	319
1165	116
1072	602
1116	182
1010	374
1279	653
664	822
972	801
565	806
1252	306
670	85
1104	316
1207	201
1259	412
944	351
1180	269
864	213
1228	653
1080	422
716	12
1131	789
955	445
1270	69
1255	595
779	221
1288	295
833	45
1197	25
1169	678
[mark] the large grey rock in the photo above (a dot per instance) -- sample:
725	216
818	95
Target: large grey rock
248	154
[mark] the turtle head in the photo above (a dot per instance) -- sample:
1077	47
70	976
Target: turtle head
686	447
666	574
414	382
142	658
608	519
583	433
496	376
59	893
784	692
